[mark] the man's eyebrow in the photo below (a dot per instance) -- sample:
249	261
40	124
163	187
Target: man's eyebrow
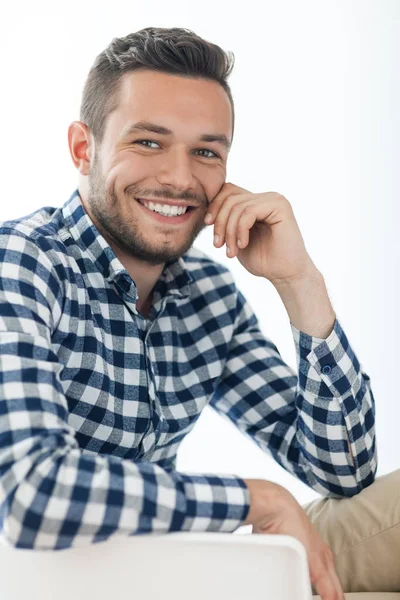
153	128
146	126
217	137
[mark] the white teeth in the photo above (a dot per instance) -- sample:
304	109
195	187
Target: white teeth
166	210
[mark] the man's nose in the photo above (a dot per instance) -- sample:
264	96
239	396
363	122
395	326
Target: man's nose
176	170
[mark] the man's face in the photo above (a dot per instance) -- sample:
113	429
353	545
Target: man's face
172	163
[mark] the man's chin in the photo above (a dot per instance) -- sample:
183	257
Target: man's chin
161	257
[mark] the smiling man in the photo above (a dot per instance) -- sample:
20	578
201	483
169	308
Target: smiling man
163	151
115	333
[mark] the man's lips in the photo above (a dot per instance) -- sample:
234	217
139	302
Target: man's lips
176	219
166	202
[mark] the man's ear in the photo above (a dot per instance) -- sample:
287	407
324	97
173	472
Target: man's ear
80	142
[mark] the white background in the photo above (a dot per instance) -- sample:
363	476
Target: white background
317	94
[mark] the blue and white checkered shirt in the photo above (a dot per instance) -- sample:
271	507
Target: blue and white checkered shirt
94	400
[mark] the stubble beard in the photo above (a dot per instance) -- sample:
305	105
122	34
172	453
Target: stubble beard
126	231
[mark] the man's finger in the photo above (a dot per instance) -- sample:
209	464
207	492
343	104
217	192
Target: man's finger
228	189
325	580
221	217
326	588
336	581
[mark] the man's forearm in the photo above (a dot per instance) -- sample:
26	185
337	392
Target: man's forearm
307	303
309	308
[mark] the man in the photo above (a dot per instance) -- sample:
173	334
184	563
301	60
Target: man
116	332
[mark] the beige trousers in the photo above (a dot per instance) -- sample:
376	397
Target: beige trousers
364	535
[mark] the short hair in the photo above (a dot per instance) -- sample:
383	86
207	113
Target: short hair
175	50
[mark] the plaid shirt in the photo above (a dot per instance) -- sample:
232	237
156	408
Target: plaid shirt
95	400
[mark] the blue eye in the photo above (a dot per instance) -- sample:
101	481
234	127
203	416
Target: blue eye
143	142
214	154
201	151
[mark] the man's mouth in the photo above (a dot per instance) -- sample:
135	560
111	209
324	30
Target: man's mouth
166	210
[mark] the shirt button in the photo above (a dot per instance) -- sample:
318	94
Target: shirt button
326	369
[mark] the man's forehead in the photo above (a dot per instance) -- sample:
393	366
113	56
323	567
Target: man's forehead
174	91
168	101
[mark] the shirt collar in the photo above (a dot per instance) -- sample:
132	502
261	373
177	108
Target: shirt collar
175	279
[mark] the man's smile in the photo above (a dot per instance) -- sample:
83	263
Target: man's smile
167	213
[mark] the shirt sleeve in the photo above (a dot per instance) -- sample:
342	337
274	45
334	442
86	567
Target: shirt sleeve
305	420
53	495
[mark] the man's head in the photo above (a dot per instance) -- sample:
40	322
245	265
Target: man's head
156	124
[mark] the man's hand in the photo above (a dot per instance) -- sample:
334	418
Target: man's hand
274	510
272	246
262	230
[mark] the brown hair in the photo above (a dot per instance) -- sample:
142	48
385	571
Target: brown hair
175	50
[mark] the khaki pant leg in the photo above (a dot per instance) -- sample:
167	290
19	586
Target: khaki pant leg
364	534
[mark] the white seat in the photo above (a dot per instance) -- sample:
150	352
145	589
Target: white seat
178	566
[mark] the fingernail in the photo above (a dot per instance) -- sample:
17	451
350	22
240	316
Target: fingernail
239	243
216	239
227	250
208	218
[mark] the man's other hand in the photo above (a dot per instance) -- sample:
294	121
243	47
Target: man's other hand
274	510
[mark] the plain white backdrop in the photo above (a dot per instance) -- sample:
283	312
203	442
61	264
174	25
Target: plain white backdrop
317	96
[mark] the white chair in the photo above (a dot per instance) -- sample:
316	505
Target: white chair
178	566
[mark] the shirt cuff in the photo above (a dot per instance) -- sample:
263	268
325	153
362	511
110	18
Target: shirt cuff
214	502
326	366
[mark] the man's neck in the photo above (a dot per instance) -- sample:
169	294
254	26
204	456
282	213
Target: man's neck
144	275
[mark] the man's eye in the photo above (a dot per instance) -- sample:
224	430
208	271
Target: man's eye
146	142
213	154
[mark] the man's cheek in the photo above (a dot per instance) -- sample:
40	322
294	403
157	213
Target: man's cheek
216	191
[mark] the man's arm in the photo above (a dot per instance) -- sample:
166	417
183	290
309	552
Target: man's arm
307	303
304	420
309	308
310	428
53	495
